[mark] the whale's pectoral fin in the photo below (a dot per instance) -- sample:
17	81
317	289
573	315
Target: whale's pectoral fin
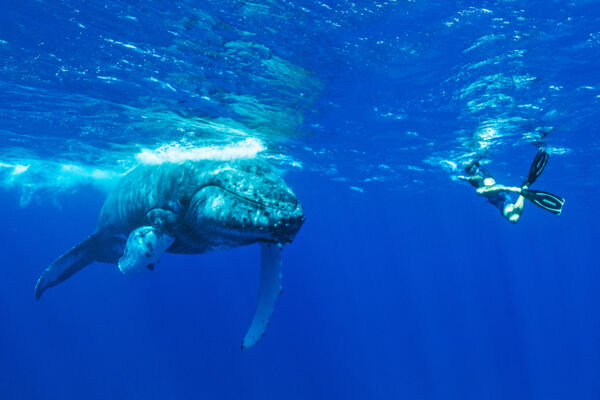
144	248
95	248
270	288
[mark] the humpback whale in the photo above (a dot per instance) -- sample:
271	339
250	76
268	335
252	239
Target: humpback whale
191	207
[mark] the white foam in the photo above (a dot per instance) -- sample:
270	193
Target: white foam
178	153
34	176
17	169
559	150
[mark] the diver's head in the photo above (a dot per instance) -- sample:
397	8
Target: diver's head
472	167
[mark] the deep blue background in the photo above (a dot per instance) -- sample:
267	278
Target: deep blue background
420	294
401	284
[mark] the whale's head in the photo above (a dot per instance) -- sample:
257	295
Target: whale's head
242	202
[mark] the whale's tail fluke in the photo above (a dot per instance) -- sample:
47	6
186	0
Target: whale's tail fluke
95	248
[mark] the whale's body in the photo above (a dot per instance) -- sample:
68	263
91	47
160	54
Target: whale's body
191	208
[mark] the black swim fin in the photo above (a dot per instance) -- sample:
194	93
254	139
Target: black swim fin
537	166
545	200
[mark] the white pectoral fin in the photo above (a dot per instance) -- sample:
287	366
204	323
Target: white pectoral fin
143	249
270	288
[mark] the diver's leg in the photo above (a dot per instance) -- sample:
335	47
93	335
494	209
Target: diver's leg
545	200
512	211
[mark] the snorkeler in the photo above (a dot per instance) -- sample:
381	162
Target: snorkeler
498	195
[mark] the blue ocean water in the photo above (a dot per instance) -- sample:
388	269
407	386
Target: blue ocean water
402	283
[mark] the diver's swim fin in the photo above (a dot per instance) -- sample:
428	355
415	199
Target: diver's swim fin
537	166
545	200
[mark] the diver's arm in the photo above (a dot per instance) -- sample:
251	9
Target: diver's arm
475	180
